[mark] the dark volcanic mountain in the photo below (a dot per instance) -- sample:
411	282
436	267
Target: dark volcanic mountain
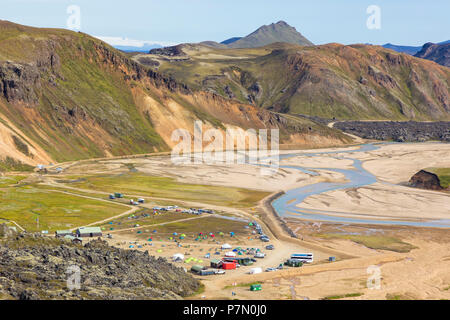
439	53
268	34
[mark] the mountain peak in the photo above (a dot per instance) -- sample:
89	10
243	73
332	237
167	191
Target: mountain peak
282	23
268	34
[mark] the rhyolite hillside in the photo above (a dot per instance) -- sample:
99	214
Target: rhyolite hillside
67	96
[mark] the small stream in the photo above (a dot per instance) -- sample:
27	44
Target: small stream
287	205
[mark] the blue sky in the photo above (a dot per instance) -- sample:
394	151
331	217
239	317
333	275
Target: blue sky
405	22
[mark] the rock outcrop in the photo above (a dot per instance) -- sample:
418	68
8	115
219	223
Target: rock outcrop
18	82
173	51
33	266
425	180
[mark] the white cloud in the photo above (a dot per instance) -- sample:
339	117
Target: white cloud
120	41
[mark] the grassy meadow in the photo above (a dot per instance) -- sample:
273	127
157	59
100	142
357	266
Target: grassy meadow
162	187
55	210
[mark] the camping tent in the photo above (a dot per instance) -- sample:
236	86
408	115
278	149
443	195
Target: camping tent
178	256
226	246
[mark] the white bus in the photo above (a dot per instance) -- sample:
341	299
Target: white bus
303	257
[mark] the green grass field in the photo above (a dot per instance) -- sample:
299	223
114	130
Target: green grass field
55	210
162	187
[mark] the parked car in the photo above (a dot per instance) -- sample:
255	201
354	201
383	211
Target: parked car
220	271
270	247
270	269
260	255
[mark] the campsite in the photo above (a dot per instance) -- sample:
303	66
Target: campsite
235	225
